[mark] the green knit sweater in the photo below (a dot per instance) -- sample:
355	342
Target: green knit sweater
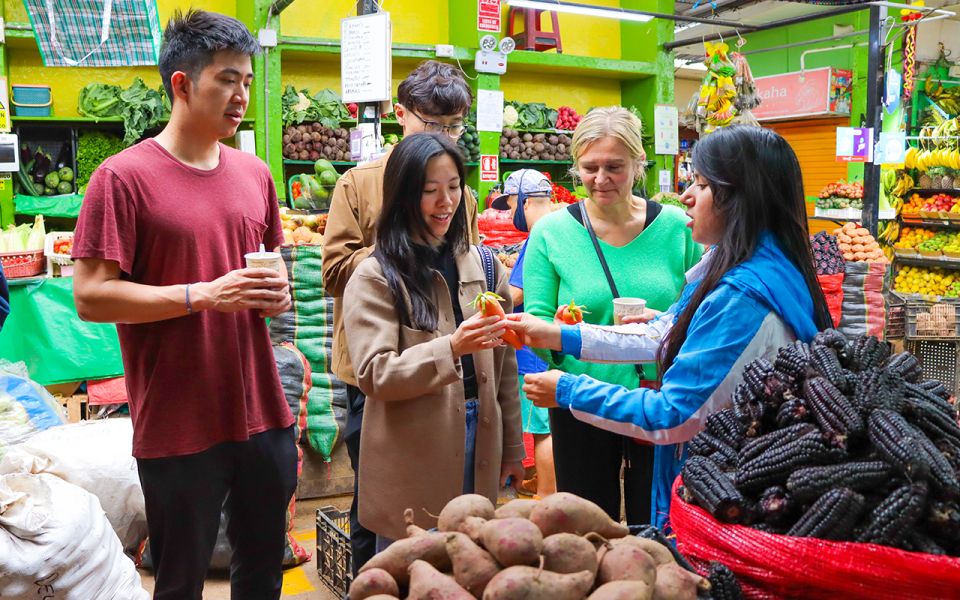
561	265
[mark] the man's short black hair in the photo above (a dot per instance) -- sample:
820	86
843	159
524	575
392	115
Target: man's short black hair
191	39
437	89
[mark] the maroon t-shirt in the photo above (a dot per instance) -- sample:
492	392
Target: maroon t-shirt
210	377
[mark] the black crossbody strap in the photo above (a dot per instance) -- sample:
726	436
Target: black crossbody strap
486	257
603	263
596	246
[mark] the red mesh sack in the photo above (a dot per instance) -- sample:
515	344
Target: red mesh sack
832	286
778	566
496	227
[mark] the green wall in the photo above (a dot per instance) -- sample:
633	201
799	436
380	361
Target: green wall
788	59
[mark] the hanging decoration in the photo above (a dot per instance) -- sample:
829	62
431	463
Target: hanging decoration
910	48
747	97
715	106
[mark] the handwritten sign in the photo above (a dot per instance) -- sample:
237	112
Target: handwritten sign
489	110
365	58
666	129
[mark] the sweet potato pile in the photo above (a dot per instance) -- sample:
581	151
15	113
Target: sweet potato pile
560	548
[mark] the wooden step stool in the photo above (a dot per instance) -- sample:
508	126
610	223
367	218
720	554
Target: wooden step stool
532	37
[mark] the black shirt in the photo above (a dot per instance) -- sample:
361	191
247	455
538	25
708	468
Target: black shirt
446	264
653	209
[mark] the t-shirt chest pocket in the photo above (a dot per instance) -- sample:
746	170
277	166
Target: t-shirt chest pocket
252	236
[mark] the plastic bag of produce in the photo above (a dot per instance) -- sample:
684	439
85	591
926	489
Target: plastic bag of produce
25	406
832	286
864	299
96	456
309	327
55	542
779	566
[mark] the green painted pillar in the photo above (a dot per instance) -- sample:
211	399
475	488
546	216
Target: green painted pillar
643	42
6	180
266	91
465	36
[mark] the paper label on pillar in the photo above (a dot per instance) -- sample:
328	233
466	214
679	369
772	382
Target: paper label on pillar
666	129
365	58
488	15
854	144
489	167
4	106
489	110
891	99
891	148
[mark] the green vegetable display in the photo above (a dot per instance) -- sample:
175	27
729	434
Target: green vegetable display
140	107
298	106
534	115
94	147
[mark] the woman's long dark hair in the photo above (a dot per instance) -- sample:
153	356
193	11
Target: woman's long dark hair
406	262
757	186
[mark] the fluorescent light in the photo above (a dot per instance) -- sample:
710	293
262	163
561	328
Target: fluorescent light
581	9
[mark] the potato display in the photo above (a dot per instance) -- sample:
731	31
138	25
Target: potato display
560	548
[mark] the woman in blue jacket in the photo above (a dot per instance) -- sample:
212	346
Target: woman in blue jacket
754	291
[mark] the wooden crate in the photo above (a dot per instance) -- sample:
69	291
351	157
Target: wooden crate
75	407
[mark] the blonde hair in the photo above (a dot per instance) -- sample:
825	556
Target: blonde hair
611	121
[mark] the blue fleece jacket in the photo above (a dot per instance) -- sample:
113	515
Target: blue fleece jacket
756	308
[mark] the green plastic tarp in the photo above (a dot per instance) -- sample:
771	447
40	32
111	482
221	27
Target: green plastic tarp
44	331
64	205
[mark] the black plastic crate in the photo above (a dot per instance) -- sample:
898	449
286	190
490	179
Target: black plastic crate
334	564
940	360
896	326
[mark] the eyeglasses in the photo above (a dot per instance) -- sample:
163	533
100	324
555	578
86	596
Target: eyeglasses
454	131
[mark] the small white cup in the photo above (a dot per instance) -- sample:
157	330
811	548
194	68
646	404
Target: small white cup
623	307
263	260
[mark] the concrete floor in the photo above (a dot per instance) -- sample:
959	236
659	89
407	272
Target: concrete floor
299	583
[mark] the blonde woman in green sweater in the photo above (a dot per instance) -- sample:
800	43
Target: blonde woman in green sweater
648	248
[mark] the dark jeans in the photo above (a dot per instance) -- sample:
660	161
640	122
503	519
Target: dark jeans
253	482
362	540
588	459
472	409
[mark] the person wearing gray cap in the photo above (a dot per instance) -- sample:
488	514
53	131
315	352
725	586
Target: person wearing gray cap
529	195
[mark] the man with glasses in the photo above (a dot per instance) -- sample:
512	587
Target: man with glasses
436	98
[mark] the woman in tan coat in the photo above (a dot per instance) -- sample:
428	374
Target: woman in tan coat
442	415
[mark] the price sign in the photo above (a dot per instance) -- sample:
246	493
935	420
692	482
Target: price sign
489	167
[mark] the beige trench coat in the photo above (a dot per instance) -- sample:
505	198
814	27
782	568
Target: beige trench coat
349	238
411	443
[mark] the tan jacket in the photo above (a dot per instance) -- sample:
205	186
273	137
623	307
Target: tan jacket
411	442
349	237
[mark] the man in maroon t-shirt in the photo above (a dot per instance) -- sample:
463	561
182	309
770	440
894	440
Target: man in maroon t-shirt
159	250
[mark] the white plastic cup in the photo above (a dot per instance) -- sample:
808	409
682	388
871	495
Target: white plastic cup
263	260
624	307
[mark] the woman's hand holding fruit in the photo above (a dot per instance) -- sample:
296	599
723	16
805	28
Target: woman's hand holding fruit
477	333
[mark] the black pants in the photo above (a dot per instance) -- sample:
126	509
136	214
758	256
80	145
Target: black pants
588	459
253	482
363	542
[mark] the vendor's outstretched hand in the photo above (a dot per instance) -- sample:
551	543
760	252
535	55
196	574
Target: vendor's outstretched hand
535	332
541	388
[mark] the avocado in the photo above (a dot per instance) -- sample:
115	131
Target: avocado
323	165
